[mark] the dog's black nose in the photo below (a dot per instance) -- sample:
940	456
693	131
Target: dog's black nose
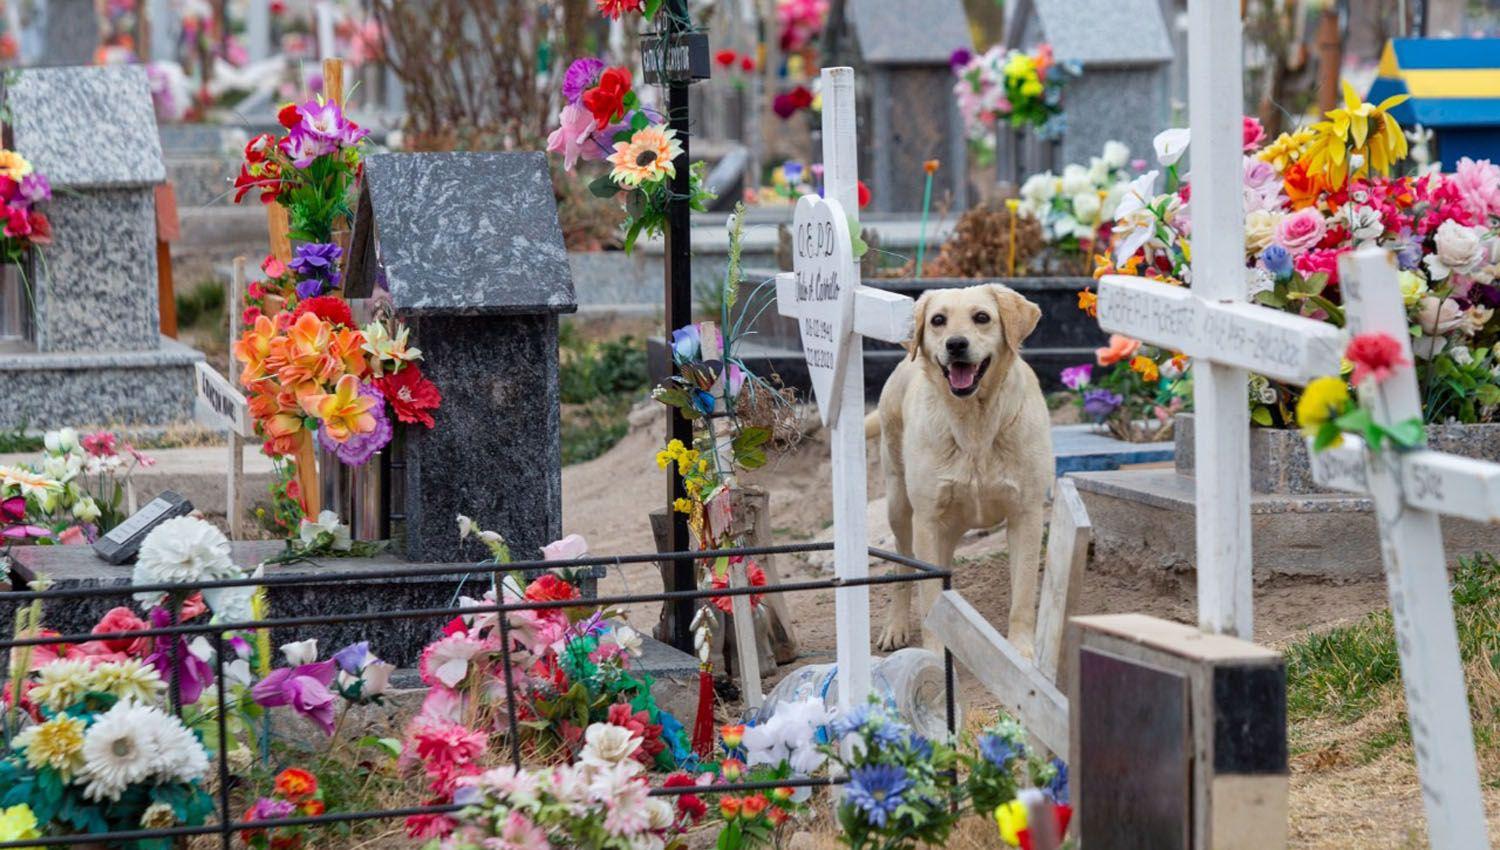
957	345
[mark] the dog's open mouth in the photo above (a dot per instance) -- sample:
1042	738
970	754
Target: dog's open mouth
963	378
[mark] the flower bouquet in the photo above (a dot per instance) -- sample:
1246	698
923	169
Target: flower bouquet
309	170
1136	390
1019	88
1075	209
21	189
79	490
1318	192
295	794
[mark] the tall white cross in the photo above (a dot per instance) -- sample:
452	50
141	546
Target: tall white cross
835	313
1411	491
1212	323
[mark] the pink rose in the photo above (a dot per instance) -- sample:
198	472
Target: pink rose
1325	260
1301	230
1253	133
122	619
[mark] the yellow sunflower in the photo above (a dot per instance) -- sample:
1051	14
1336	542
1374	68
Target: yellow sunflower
13	165
646	158
1358	129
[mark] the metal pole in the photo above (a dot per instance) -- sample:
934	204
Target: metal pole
679	296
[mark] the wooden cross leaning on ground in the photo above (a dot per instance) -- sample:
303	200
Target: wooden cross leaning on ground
1411	492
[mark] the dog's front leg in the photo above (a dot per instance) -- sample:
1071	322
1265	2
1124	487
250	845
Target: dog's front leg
1025	533
897	631
934	544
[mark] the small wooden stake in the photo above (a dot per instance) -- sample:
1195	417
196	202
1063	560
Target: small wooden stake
235	500
279	226
333	80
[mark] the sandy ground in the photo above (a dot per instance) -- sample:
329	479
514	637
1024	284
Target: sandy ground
1336	802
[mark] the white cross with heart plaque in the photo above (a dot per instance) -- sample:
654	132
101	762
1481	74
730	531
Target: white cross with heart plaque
1411	492
835	314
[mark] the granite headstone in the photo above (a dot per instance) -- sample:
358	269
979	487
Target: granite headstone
1126	55
913	114
70	33
98	355
469	248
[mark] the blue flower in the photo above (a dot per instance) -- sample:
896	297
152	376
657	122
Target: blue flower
792	170
317	261
351	659
1276	260
920	746
1057	789
891	733
1100	403
999	751
845	724
685	343
876	791
1409	255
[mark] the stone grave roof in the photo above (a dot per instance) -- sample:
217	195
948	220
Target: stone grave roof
889	35
1099	33
462	233
87	127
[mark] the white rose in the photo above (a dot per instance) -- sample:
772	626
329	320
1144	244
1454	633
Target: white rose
300	652
1098	171
1075	179
1116	154
1260	229
1039	188
1438	315
606	745
1461	355
1086	207
86	509
1459	249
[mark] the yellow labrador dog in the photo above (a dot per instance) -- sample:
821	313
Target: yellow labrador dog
965	443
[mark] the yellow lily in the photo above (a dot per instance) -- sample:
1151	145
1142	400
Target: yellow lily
1358	129
344	412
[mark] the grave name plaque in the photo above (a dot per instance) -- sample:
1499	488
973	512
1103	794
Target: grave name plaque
684	58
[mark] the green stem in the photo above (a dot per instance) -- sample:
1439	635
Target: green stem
922	238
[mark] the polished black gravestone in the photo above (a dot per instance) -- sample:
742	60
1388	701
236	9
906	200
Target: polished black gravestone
468	248
1178	738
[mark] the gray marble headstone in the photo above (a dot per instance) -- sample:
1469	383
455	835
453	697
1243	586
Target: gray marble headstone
1126	56
70	33
912	112
470	249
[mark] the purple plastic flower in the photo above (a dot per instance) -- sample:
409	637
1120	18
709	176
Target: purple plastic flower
304	688
35	188
326	121
1486	294
1077	377
1408	255
1100	403
959	58
359	448
792	170
194	675
310	288
581	76
351	659
317	261
267	808
302	147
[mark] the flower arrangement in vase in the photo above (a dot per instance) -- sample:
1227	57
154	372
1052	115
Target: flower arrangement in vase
81	488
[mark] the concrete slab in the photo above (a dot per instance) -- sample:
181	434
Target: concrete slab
1083	448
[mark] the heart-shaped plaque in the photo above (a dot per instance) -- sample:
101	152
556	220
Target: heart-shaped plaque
823	264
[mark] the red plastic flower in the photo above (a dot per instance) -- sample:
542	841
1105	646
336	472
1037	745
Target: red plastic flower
259	147
726	57
753	572
613	9
289	116
639	723
549	588
864	195
690	807
1375	355
411	395
294	783
329	308
747	63
607	99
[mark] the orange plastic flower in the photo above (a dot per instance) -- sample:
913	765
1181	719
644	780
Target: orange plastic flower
295	783
1119	348
932	165
282	431
347	347
1145	367
1088	302
252	349
1301	187
343	412
303	353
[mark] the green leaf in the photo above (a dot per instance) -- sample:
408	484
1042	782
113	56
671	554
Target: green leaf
1261	416
1408	434
856	242
632	234
1328	434
603	187
389	746
1356	420
1271	299
639	121
1488	395
651	8
749	438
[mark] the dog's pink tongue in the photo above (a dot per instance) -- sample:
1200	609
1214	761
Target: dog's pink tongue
961	375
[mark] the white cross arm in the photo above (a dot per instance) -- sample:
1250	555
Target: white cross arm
1431	481
878	314
1265	341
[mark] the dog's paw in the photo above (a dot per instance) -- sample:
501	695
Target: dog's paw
897	634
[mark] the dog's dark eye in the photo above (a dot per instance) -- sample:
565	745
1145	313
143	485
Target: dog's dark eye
939	320
981	318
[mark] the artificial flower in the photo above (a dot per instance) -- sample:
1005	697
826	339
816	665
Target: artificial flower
1077	377
647	157
295	783
582	75
607	99
1375	356
18	823
572	138
1324	399
119	749
411	395
876	791
1145	367
344	412
358	448
57	743
606	745
338	538
128	679
613	9
1358	129
1120	348
304	688
1170	145
182	550
1460	249
1301	231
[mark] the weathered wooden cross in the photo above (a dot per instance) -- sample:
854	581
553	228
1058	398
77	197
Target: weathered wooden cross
221	406
1411	492
1212	324
835	312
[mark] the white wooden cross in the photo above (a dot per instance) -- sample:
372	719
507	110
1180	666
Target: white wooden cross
1212	324
836	313
1411	492
221	406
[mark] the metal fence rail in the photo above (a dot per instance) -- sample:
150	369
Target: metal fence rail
227	826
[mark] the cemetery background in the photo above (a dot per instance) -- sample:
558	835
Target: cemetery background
1328	776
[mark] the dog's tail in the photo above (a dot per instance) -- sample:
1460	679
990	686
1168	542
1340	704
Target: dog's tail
872	425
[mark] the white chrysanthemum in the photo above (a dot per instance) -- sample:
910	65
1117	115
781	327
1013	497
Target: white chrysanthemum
120	749
182	550
180	755
130	679
62	683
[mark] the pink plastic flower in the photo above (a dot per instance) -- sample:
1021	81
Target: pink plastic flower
1478	185
100	444
1301	230
1375	356
571	138
1253	133
304	688
445	662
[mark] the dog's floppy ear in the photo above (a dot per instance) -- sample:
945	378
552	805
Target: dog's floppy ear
919	320
1018	316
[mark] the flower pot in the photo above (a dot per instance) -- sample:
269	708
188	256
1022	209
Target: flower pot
335	486
17	307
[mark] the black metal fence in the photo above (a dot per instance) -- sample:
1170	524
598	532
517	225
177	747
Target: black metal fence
226	826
